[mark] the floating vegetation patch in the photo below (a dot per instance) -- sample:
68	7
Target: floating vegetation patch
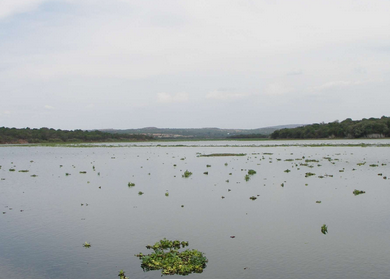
324	229
287	170
24	171
309	174
206	172
253	198
167	258
222	154
373	165
130	184
167	194
247	177
357	192
318	201
209	166
361	164
311	160
122	275
11	169
83	172
251	172
187	174
33	175
87	244
140	193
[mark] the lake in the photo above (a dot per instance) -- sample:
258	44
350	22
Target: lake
55	198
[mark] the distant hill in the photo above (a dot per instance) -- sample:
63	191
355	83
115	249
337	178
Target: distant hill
198	133
348	128
46	135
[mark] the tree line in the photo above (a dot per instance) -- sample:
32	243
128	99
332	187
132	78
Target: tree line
45	135
348	128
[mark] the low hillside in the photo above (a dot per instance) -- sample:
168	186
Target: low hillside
365	128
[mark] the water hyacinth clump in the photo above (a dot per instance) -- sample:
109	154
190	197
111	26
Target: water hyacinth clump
324	229
166	256
357	192
187	174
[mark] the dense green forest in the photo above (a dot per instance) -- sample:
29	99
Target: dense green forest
365	128
44	135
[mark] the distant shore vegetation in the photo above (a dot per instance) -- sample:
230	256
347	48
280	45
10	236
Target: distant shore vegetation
46	135
348	128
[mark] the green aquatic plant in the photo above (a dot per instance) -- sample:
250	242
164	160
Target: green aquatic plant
122	275
222	154
206	172
83	172
309	174
140	193
11	169
251	172
209	166
167	258
247	177
318	201
187	174
357	192
86	244
287	170
167	194
24	171
373	165
130	184
324	229
253	198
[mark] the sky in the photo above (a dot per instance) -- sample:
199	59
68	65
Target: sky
94	64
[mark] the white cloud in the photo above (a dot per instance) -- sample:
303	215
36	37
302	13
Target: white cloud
225	95
172	98
10	7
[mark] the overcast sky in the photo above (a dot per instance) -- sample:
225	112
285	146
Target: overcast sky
85	64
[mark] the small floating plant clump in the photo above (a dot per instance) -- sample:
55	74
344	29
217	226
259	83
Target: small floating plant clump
324	229
251	172
122	275
166	256
187	174
130	184
357	192
253	198
86	245
140	193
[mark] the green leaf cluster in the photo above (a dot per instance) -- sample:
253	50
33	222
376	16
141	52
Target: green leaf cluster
166	256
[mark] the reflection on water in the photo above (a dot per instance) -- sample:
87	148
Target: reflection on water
70	196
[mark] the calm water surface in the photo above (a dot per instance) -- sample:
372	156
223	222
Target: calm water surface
44	220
